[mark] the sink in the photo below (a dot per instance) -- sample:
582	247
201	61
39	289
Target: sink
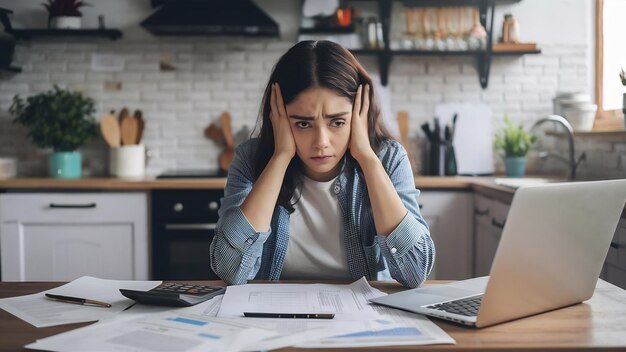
521	182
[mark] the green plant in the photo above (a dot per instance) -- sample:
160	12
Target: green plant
59	119
512	140
59	8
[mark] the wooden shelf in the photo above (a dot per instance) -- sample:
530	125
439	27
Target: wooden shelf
28	34
486	9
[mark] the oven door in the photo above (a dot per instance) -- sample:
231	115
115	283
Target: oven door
184	251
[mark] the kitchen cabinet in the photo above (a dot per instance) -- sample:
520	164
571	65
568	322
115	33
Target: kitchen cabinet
614	270
489	219
449	216
62	236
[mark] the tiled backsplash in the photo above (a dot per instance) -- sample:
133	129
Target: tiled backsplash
213	76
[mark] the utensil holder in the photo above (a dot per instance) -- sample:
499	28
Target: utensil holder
128	161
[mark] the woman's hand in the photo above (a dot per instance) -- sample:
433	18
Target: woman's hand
284	144
360	147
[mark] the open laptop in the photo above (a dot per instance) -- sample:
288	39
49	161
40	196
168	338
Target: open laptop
550	255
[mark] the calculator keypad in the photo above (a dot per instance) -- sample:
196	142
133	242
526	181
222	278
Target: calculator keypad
185	289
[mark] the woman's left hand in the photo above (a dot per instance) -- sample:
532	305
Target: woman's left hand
360	147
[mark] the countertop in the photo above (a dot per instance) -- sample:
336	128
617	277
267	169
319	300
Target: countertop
148	183
485	185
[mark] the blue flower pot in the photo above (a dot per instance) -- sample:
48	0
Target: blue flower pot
65	165
515	166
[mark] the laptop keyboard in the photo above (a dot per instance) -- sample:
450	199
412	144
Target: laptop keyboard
467	306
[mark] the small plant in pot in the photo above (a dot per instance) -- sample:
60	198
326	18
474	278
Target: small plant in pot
513	143
61	120
64	14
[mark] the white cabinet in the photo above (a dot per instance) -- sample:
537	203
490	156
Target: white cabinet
489	218
61	236
449	217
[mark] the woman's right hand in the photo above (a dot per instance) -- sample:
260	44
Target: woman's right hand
284	144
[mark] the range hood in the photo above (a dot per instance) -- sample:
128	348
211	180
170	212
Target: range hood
210	18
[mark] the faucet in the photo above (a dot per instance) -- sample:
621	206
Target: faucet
572	161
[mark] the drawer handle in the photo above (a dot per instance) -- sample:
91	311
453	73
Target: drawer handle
208	226
497	224
615	245
72	206
481	212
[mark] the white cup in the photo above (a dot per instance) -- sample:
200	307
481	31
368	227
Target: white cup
128	161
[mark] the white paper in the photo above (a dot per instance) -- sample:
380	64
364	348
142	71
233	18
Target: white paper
167	331
398	328
347	302
39	311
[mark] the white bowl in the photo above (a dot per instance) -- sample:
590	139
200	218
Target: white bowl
581	117
562	99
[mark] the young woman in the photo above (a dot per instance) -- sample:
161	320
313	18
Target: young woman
324	192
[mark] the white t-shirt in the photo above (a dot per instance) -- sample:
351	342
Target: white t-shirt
316	248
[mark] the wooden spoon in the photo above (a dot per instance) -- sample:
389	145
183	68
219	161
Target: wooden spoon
226	128
141	124
129	130
214	133
110	129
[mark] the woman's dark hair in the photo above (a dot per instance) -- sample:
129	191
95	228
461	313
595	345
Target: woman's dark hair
310	64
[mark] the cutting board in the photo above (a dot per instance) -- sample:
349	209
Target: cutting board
473	136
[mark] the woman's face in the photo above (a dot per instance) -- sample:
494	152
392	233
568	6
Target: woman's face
320	122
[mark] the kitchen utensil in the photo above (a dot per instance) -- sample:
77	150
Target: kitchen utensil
214	133
129	130
140	125
123	113
449	156
227	129
110	129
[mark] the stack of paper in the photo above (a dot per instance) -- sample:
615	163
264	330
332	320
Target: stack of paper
219	325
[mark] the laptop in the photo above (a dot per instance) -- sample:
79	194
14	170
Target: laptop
550	255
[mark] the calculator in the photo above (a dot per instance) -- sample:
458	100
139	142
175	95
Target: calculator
174	294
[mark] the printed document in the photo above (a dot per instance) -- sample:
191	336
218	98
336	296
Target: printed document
347	302
166	331
39	311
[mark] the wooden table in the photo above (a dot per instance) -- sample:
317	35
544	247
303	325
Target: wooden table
597	324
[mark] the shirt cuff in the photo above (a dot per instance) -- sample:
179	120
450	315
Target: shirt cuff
240	234
404	237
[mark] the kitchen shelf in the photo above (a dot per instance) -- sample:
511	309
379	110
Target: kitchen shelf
483	57
12	69
28	34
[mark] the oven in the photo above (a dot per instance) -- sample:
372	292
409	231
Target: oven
183	226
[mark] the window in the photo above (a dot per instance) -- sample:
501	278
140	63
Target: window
610	59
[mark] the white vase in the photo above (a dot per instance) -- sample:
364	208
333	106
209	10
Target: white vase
66	22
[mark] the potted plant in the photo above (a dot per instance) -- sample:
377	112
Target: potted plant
64	13
513	143
61	120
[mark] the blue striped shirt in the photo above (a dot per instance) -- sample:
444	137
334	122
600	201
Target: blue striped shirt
239	253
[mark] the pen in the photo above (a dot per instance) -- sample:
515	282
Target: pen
77	300
289	315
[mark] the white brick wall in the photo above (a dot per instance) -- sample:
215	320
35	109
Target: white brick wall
214	76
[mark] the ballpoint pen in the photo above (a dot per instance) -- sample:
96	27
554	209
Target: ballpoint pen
289	315
77	300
